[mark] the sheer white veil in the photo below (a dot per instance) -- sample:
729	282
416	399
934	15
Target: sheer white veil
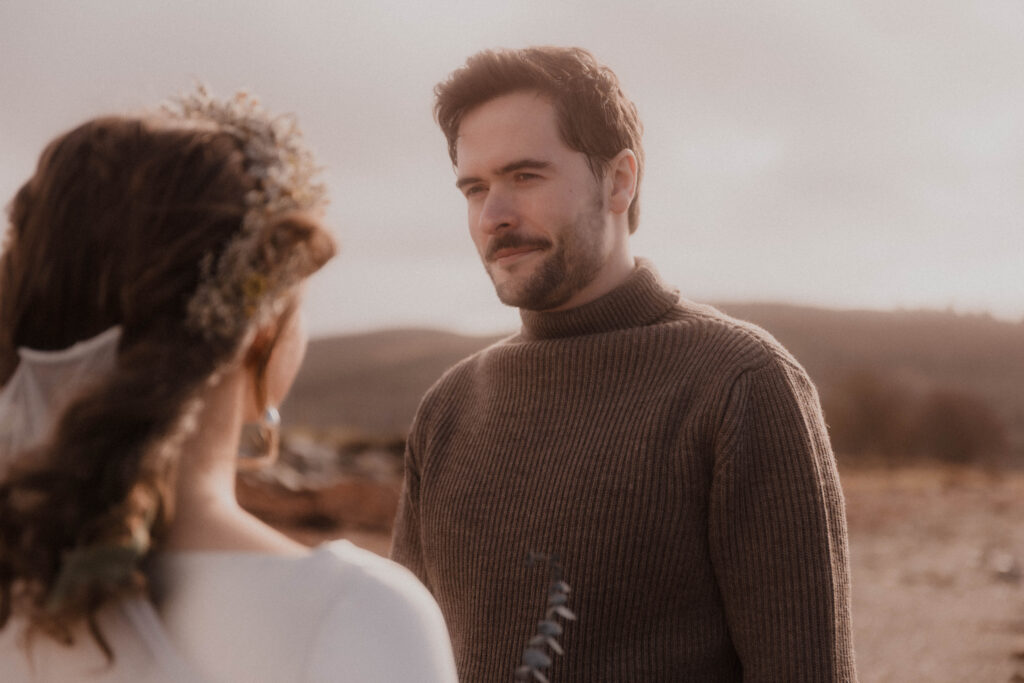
42	386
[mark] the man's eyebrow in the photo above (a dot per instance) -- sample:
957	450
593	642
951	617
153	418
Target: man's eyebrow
468	180
512	167
519	165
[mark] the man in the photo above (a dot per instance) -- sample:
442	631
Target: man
673	459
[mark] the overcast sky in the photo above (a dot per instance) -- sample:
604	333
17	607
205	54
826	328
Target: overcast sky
847	154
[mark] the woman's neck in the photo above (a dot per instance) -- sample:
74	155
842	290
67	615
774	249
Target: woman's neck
206	513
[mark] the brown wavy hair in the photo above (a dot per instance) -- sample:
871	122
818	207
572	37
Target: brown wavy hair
594	115
111	230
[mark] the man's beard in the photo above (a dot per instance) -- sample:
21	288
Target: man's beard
566	269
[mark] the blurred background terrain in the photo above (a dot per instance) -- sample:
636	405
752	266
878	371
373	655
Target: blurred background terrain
926	415
847	155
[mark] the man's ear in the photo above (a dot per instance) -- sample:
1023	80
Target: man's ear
621	176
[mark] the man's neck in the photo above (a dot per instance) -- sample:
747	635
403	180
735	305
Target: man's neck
615	272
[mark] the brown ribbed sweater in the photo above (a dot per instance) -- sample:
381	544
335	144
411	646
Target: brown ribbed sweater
677	461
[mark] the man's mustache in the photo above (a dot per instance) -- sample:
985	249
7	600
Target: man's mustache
513	241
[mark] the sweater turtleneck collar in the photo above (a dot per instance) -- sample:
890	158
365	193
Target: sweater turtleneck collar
640	300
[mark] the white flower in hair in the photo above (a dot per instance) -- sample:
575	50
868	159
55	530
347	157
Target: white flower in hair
237	291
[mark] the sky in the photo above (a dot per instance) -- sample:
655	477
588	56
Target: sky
863	154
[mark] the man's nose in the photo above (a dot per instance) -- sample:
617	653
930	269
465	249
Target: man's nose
498	212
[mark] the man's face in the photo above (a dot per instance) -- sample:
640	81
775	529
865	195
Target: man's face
536	211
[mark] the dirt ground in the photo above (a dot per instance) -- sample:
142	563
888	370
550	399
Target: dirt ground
937	559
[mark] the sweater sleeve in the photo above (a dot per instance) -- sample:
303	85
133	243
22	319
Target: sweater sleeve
777	531
406	548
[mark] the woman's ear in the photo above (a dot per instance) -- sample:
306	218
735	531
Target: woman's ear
622	176
258	352
257	359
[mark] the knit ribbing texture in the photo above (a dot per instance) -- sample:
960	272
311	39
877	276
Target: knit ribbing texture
674	458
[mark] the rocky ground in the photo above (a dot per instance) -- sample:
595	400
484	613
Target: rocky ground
937	554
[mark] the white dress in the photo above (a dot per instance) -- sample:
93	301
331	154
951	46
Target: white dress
339	614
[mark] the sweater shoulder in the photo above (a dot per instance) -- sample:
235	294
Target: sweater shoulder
734	342
698	340
457	378
693	329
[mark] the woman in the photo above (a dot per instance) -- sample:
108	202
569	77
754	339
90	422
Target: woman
149	294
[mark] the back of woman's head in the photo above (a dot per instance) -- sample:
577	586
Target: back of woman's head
110	230
188	231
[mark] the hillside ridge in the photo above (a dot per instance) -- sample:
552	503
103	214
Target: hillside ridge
373	381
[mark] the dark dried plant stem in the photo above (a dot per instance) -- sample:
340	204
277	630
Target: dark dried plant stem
536	657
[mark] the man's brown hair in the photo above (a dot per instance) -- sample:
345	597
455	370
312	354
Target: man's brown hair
594	116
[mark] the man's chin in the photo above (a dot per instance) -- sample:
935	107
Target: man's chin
536	299
508	293
529	284
511	279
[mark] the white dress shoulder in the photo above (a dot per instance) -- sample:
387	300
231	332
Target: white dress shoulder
338	614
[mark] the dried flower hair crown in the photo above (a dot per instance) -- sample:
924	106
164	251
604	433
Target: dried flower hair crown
238	290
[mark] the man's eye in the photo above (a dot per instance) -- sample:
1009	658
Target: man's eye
522	177
473	189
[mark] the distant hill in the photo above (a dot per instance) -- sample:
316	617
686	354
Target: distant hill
926	350
374	381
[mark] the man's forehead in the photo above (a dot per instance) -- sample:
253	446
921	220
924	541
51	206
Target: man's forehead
517	125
